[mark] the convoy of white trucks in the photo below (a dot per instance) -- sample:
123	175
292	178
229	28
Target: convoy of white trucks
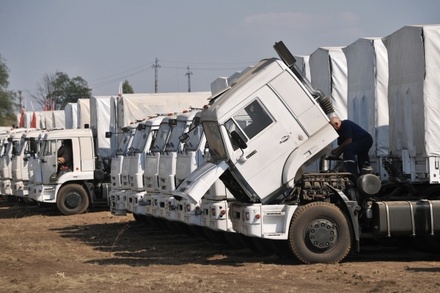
240	166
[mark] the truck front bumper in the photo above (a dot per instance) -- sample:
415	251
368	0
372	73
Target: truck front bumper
45	193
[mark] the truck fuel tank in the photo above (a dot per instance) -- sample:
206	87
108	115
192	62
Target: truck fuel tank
410	218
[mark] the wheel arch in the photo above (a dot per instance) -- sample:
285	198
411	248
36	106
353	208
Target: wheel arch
351	209
300	219
79	182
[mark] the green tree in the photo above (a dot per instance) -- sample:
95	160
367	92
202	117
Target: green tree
57	90
7	98
126	88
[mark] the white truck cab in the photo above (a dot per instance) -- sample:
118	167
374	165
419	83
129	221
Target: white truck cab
23	162
168	166
118	158
144	138
10	146
151	168
82	183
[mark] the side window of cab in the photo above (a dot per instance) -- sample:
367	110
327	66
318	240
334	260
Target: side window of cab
249	121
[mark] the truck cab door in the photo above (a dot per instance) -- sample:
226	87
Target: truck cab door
263	134
49	160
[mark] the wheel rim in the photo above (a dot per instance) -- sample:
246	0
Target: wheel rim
73	200
321	235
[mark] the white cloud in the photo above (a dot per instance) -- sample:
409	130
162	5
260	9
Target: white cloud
295	23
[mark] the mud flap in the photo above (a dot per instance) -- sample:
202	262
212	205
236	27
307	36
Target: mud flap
194	187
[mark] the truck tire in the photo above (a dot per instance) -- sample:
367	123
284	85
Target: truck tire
72	199
320	233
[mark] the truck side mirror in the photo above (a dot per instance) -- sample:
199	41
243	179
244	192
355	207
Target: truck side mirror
238	140
196	121
172	122
108	134
184	138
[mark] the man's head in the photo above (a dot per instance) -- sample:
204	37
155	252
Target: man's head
335	122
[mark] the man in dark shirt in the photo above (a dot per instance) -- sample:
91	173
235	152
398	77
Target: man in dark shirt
353	141
64	155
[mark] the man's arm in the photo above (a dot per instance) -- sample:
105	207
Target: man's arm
340	149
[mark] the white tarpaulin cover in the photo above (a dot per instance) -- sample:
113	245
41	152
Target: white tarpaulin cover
30	116
46	119
302	64
367	99
71	115
27	119
100	107
116	134
328	71
83	111
414	90
132	107
58	119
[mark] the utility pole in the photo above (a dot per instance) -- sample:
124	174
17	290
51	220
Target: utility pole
189	73
155	66
20	99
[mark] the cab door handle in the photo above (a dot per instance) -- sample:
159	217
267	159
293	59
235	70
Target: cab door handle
284	138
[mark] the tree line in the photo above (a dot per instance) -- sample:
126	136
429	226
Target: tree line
53	92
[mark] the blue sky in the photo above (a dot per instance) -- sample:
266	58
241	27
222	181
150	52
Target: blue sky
108	41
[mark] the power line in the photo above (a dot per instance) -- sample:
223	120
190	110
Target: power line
103	83
122	72
213	63
207	68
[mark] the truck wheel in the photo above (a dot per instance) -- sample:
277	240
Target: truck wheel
319	233
72	199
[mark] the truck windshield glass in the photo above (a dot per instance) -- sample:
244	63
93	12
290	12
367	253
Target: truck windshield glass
195	135
123	143
50	147
19	146
174	142
3	147
140	140
248	122
9	146
215	141
32	147
142	146
162	137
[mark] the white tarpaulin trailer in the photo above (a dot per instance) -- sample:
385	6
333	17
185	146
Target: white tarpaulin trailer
367	63
100	123
71	115
46	119
132	107
414	97
328	71
414	89
83	111
58	119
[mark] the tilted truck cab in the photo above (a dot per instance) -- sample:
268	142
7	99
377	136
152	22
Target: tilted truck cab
248	128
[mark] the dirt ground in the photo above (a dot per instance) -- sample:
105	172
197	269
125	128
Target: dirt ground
44	251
